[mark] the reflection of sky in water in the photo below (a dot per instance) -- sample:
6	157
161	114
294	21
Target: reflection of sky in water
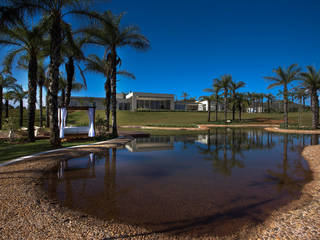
237	174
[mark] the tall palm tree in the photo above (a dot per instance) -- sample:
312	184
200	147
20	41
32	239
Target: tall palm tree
103	66
234	86
6	82
18	95
283	78
311	81
216	90
26	41
225	85
13	10
108	33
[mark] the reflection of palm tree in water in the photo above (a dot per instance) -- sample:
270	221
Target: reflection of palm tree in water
223	164
110	184
282	178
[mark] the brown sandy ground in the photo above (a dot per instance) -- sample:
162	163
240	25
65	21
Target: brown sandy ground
27	213
276	129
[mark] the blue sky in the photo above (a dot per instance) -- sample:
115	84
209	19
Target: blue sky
194	41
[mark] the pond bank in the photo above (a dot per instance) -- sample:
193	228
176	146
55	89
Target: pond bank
25	211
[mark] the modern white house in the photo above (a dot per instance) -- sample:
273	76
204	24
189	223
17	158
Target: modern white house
150	101
203	106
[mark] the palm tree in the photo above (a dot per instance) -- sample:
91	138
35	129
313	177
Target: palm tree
299	93
13	10
63	86
270	98
283	78
185	95
234	86
7	97
311	81
28	42
108	33
216	90
225	85
6	82
240	101
18	95
103	67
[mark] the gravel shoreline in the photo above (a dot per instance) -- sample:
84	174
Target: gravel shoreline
27	213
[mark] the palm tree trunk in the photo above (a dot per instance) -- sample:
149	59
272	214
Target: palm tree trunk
55	61
268	102
300	111
7	108
70	76
225	104
114	91
285	106
21	113
216	108
40	105
108	102
304	103
63	97
239	109
315	108
32	95
209	110
1	97
47	110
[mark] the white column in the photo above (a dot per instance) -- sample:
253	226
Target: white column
63	117
91	132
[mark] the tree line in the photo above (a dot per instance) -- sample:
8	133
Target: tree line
297	85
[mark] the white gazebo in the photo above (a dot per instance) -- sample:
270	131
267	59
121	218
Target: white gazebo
76	131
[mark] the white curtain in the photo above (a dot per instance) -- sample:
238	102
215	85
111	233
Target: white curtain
91	122
63	121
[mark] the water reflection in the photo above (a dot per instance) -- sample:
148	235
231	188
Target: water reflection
196	184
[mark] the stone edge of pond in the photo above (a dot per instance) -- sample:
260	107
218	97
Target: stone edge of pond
26	212
293	131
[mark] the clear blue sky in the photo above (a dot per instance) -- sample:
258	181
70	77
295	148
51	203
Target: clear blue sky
194	41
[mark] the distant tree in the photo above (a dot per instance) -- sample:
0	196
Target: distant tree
225	85
19	94
7	98
185	96
311	81
234	86
6	82
283	78
270	98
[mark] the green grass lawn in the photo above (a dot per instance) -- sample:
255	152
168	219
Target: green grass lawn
183	119
14	150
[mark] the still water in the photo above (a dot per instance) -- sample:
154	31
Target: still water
202	184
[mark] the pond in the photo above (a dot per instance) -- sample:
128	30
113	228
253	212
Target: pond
201	184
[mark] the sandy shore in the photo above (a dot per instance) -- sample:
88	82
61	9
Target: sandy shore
279	130
27	213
